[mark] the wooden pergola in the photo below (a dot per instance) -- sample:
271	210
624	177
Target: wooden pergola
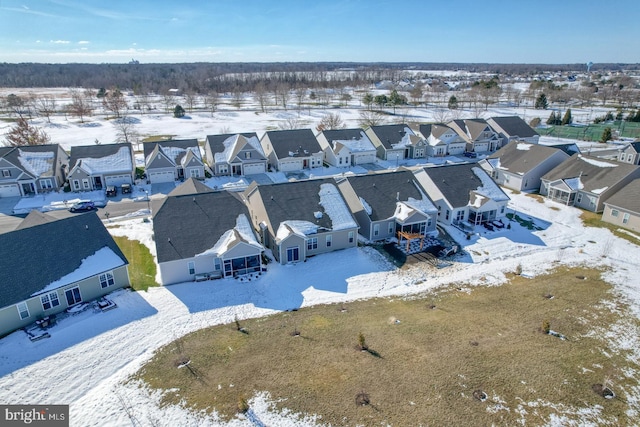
409	237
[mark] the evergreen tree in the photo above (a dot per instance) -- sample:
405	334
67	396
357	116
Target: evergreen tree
102	92
178	112
381	100
552	118
453	103
368	100
541	102
567	119
606	135
396	99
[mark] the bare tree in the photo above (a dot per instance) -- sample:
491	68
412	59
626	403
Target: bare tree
442	115
143	101
290	123
114	101
371	118
238	97
211	101
300	94
24	134
260	94
169	102
416	93
126	130
330	121
80	105
46	106
191	99
282	90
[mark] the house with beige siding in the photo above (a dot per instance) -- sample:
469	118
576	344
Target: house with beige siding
346	147
235	154
292	150
513	128
623	208
93	167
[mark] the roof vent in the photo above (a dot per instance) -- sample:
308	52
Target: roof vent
86	227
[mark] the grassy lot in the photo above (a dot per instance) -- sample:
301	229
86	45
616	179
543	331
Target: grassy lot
592	219
156	138
427	356
142	269
592	132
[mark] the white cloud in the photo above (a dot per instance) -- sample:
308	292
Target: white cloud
59	41
84	42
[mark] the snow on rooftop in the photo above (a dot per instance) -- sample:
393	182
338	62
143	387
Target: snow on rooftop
38	163
598	163
301	228
118	161
366	206
406	139
523	146
102	260
336	208
242	230
356	145
599	190
229	147
574	183
423	205
489	188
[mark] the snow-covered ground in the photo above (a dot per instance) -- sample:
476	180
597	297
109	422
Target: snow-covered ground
90	355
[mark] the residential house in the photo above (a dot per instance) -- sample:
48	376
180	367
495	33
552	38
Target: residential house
477	133
32	169
300	219
396	142
292	150
34	287
513	128
346	147
623	208
235	154
520	165
630	153
464	194
587	182
173	160
201	234
390	205
93	167
441	140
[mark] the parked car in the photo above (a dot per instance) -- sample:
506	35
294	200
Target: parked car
471	154
111	191
82	206
125	188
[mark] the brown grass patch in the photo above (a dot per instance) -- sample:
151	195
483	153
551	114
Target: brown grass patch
434	365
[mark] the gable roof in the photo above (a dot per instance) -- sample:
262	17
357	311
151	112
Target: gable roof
520	157
627	198
595	174
225	148
190	186
393	136
458	183
635	145
179	222
513	126
174	149
35	217
35	160
381	193
570	148
293	143
82	236
470	129
102	157
354	139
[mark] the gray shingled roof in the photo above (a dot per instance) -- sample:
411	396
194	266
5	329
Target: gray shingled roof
96	151
390	135
14	153
294	143
595	173
187	225
216	142
455	182
190	186
628	197
177	143
60	247
514	126
382	191
342	134
294	201
517	160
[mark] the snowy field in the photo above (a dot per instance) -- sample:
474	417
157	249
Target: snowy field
90	355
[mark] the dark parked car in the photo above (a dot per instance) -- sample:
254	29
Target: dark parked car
470	154
126	188
82	206
111	191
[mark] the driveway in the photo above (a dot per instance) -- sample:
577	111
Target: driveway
7	204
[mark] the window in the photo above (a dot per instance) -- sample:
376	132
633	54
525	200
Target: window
579	198
293	254
23	310
329	240
351	237
376	229
391	228
312	243
460	215
49	300
614	212
216	264
106	279
625	218
223	169
340	160
247	155
6	173
76	185
195	173
501	209
429	222
73	296
192	267
446	215
45	183
85	184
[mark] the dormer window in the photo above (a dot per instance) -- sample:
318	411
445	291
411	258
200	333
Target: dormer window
247	155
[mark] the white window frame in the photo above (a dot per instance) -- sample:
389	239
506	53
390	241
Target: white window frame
223	168
76	185
6	173
194	173
351	236
51	299
615	212
217	265
391	228
86	185
329	240
22	309
376	229
312	243
46	184
192	267
247	154
625	218
107	279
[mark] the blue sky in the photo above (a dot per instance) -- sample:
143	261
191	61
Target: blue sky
495	31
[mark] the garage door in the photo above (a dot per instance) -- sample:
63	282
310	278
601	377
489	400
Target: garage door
117	179
254	168
158	177
9	190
